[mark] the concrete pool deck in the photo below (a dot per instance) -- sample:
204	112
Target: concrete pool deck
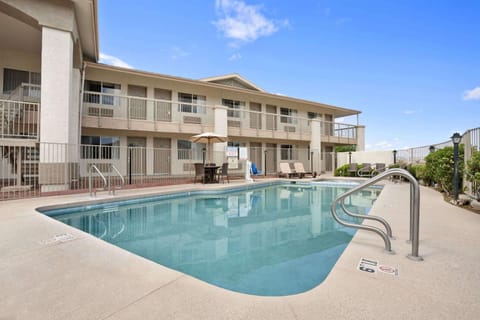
87	278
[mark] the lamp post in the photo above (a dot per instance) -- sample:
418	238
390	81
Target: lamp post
456	138
431	149
349	157
265	163
394	156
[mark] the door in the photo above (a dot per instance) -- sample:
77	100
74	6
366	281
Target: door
255	153
163	109
328	159
271	117
161	156
137	108
255	118
271	157
137	155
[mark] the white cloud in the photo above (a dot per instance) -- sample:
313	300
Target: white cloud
409	111
242	22
176	52
235	56
114	61
473	94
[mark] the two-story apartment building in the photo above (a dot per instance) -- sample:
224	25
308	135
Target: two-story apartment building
61	110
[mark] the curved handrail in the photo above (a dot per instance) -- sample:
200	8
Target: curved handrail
362	216
92	166
121	178
414	210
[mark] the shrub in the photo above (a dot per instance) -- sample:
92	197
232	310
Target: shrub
439	168
342	171
473	171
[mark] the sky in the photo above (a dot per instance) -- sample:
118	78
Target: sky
412	67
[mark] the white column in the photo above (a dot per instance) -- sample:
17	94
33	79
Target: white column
58	110
221	127
57	85
150	156
316	144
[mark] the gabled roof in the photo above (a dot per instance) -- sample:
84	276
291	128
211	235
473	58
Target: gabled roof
233	80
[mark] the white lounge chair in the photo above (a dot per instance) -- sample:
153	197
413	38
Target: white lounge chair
285	170
300	170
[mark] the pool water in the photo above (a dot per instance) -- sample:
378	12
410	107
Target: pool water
270	241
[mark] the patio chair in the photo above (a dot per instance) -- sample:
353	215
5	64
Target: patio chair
285	170
254	170
223	172
365	170
379	168
300	170
352	169
199	172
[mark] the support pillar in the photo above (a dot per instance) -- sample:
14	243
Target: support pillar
58	112
316	145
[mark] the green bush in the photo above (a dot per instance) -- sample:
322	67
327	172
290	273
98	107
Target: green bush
439	168
342	171
473	170
418	171
345	148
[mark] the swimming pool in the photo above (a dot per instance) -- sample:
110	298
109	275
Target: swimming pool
270	240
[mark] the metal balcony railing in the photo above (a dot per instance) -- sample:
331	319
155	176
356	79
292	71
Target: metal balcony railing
241	122
19	120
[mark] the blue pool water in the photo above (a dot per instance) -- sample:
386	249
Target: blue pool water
273	240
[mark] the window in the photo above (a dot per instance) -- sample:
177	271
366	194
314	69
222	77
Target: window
313	115
109	93
288	116
96	147
287	152
186	150
12	79
192	103
233	107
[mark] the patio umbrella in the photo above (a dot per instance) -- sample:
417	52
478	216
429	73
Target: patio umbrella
208	138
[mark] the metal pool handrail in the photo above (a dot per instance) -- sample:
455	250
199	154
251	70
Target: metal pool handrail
414	211
109	179
94	167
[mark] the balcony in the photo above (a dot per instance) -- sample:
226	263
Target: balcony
142	114
102	110
19	120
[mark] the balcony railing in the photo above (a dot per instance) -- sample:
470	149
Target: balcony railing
19	120
173	116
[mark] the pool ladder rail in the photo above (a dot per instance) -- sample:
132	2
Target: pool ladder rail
107	184
387	234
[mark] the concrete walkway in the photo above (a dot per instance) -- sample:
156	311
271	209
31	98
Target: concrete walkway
87	278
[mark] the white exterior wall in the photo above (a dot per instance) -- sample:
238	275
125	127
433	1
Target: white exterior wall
366	157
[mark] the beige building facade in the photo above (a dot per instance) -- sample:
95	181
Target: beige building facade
72	111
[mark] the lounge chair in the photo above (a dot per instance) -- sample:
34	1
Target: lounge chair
285	170
300	170
199	172
365	171
379	168
352	169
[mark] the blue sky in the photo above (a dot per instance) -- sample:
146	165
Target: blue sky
411	66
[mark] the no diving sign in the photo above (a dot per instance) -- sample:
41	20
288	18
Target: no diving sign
372	266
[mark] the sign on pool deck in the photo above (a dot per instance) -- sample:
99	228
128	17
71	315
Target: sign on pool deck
372	266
